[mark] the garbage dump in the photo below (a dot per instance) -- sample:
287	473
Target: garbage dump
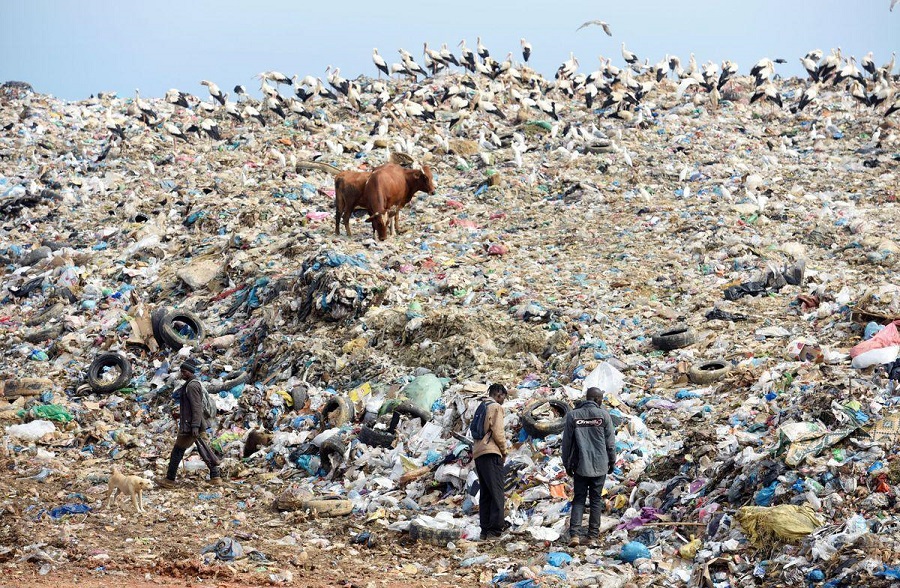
723	269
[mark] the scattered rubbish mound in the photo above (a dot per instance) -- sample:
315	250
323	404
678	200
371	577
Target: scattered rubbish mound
725	273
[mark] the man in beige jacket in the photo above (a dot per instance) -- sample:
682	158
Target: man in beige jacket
489	454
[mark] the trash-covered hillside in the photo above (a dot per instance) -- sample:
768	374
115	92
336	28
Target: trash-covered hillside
720	260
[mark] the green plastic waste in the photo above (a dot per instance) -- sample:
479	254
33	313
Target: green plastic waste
424	390
50	412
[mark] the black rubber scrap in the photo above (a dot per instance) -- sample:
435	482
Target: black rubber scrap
104	361
722	315
709	371
540	428
338	411
675	338
420	532
413	411
172	337
376	438
332	453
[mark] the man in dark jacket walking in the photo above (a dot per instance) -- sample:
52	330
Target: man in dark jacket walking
191	428
589	454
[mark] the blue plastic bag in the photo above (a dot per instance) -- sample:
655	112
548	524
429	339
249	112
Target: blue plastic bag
67	509
634	550
765	496
558	558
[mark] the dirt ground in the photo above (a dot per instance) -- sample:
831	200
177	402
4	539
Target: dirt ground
162	547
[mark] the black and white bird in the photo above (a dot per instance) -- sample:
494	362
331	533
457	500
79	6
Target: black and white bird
598	23
232	111
174	131
240	92
336	81
768	93
147	114
526	49
806	98
275	106
277	77
448	56
210	127
250	112
115	126
763	70
296	107
849	72
173	96
380	63
868	64
895	107
483	53
214	91
468	56
829	66
629	57
811	67
729	70
488	107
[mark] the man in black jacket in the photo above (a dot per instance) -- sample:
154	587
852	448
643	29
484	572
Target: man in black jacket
191	428
589	454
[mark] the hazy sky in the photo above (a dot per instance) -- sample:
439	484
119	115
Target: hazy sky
76	48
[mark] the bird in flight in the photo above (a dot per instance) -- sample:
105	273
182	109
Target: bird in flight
599	23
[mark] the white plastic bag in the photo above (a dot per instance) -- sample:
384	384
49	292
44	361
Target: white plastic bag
876	357
605	377
30	432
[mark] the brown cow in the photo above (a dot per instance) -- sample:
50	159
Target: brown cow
389	189
348	196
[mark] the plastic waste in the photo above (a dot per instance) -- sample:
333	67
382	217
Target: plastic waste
30	432
605	377
634	550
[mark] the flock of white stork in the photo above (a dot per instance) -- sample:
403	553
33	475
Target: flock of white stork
508	87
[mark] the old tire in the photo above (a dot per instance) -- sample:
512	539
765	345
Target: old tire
541	428
339	409
376	438
708	371
173	337
108	360
156	319
45	316
332	453
413	411
674	338
329	506
439	537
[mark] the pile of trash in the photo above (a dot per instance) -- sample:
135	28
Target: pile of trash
736	302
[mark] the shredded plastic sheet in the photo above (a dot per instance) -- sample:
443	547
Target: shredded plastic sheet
786	523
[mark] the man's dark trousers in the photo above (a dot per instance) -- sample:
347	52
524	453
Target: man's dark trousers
489	468
587	488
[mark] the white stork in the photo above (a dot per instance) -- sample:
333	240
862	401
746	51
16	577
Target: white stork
483	53
526	49
629	57
214	91
380	63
